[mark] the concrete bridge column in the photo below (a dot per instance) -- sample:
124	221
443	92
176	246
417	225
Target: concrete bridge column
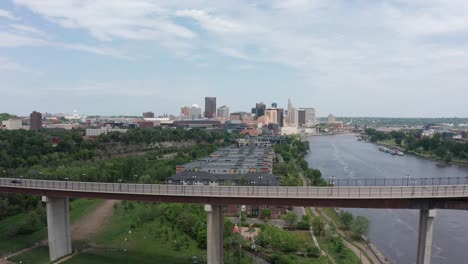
215	254
58	227
426	222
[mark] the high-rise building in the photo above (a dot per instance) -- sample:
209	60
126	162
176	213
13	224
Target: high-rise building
272	116
148	115
309	117
306	117
259	110
185	112
223	113
210	107
195	112
36	120
293	117
280	114
274	105
301	117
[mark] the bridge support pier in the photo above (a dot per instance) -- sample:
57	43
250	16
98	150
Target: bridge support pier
426	222
58	227
215	254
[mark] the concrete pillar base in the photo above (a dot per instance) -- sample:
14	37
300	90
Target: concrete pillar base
58	227
426	222
215	228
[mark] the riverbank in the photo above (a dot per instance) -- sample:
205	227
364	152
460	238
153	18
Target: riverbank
420	155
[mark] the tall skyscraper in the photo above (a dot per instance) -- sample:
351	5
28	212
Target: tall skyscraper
223	113
259	110
185	112
195	112
36	120
272	116
309	117
301	117
210	107
292	114
148	115
306	117
280	112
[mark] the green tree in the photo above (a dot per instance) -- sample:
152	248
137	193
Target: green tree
317	226
290	218
360	227
266	213
346	219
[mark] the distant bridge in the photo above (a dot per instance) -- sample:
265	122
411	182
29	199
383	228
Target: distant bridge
405	196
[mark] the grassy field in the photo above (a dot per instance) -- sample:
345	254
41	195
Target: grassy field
39	255
155	241
8	244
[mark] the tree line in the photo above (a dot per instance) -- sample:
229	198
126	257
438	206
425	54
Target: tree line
439	145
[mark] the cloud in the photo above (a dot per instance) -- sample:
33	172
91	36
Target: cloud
210	22
335	47
6	14
8	39
9	65
18	35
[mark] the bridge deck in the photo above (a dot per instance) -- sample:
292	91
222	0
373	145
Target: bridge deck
431	196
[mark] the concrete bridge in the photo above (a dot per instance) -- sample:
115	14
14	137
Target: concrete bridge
55	194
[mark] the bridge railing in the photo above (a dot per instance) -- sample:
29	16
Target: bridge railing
402	181
330	192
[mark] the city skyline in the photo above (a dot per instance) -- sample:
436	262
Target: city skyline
368	58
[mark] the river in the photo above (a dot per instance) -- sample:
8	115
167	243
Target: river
394	231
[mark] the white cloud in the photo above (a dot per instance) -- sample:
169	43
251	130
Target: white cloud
6	14
336	47
9	65
8	39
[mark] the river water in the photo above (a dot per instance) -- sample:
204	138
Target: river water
394	231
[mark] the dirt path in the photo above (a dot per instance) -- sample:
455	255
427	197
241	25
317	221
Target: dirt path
89	225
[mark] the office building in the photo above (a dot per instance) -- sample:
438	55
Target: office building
185	112
35	120
12	124
271	116
148	115
259	110
306	117
223	113
195	112
280	114
210	107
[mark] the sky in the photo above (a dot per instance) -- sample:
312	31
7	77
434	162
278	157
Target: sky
381	58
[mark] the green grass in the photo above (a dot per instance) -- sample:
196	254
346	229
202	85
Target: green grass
150	239
39	255
79	208
345	257
121	257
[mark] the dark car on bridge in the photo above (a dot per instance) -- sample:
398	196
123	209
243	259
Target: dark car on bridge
16	181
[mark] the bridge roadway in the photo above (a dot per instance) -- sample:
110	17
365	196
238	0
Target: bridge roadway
397	197
56	194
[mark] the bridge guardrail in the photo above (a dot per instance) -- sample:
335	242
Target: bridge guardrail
330	192
402	181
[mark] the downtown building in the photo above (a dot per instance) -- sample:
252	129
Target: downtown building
35	120
223	113
210	107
